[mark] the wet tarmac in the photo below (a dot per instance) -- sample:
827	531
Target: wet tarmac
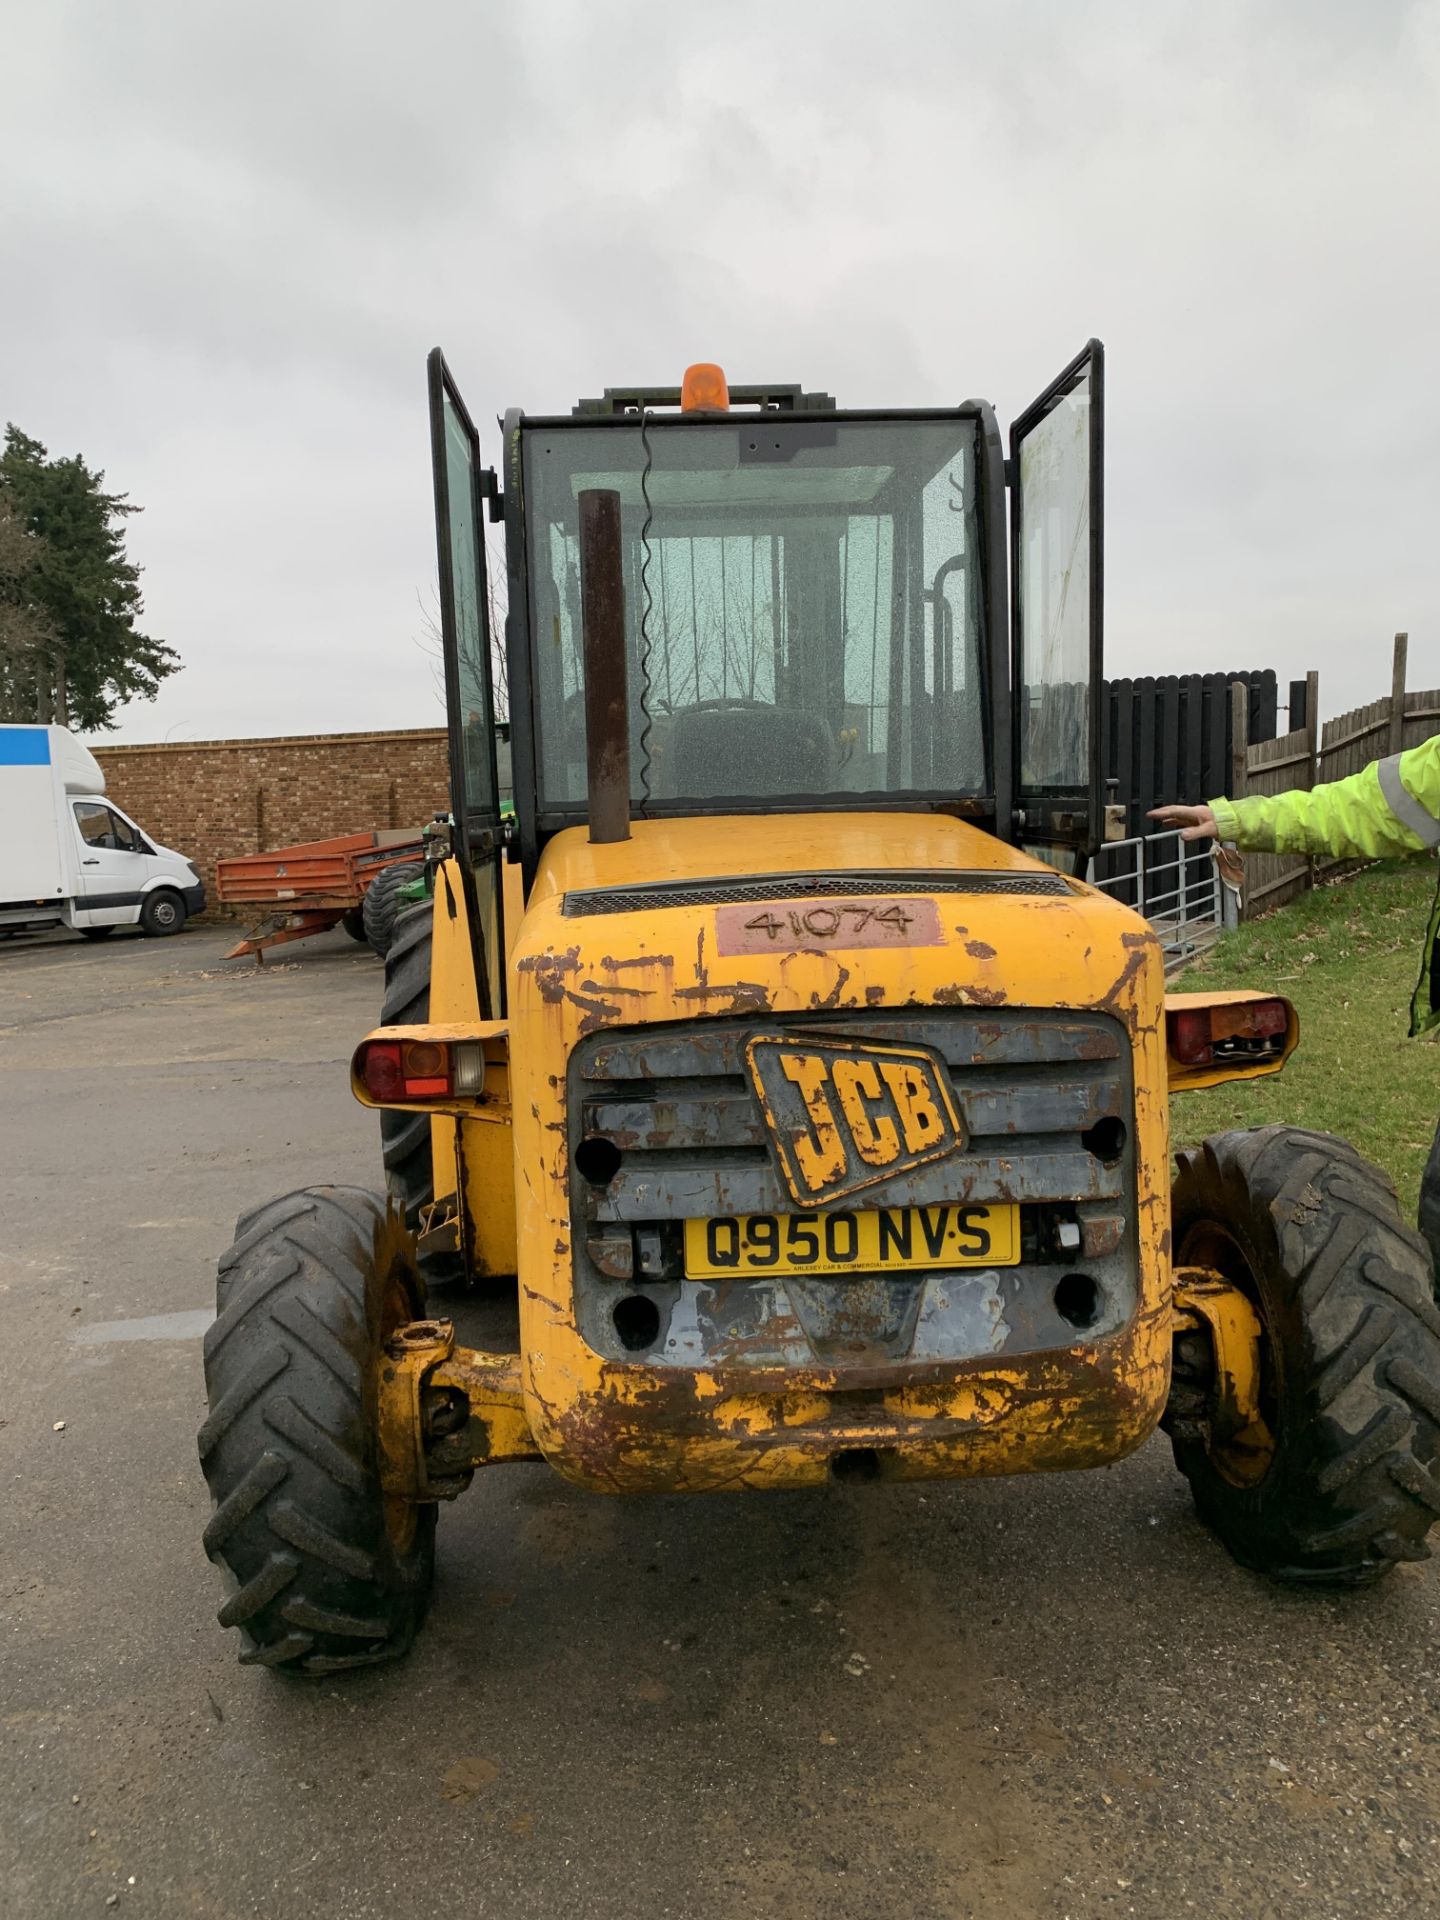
983	1701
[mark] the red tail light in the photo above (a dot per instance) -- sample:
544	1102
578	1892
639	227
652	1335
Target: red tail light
1237	1030
411	1070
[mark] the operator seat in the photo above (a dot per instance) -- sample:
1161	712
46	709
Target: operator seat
748	747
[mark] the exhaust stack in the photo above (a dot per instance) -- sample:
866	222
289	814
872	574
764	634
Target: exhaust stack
602	632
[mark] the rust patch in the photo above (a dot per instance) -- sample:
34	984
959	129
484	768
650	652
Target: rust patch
874	996
609	965
745	996
550	970
832	999
611	986
969	997
1116	992
979	949
595	1010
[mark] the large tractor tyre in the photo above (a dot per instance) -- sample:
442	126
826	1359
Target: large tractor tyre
382	906
327	1572
1430	1205
1350	1358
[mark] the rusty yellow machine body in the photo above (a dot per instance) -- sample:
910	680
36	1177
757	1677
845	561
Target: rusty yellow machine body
1032	1332
770	1070
817	1140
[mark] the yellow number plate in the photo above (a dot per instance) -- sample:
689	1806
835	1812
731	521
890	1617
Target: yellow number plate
878	1241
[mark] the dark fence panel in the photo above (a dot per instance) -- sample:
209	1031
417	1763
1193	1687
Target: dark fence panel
1167	737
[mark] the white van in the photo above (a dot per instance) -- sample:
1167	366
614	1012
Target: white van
70	857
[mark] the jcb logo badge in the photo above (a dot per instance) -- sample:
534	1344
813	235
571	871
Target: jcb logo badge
844	1115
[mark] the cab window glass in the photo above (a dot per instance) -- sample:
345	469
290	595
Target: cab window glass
802	607
96	824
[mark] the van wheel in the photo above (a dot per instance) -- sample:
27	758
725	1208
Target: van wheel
1347	1483
326	1571
97	933
162	912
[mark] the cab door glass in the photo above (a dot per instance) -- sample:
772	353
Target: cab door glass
1057	529
99	828
465	626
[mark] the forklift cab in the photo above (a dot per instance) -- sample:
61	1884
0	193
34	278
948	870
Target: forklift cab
823	612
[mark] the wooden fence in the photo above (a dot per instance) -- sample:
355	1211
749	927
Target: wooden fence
1168	737
1311	755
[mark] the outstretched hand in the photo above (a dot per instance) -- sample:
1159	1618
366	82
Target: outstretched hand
1194	823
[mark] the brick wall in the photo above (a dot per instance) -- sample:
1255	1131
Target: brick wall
210	798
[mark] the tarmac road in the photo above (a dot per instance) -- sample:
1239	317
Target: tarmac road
982	1701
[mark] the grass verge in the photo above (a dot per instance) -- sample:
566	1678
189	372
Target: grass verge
1347	956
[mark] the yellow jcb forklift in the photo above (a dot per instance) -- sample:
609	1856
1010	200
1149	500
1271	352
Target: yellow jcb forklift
779	1059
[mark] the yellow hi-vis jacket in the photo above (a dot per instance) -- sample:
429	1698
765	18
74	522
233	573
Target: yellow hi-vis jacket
1390	807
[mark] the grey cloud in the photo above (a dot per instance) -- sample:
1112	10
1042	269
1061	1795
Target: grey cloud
228	237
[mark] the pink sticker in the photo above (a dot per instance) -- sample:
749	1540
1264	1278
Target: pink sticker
778	926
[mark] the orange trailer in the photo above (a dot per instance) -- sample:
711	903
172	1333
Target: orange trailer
310	887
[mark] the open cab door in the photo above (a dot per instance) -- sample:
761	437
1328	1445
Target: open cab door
460	486
1057	551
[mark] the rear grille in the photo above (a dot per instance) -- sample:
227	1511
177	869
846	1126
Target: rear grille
796	886
692	1141
688	1141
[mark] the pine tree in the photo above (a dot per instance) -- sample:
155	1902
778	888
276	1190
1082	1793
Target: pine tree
70	651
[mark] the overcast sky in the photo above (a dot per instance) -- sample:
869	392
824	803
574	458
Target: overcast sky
228	235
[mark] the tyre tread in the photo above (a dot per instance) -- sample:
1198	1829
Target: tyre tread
289	1448
1355	1487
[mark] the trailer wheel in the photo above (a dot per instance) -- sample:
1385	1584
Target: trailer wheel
382	906
1350	1358
354	924
326	1571
162	911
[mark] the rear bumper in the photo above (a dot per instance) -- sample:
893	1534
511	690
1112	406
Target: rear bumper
665	1431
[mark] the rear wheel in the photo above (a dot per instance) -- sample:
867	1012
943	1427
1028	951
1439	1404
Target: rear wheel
162	912
1347	1484
327	1572
1430	1205
382	905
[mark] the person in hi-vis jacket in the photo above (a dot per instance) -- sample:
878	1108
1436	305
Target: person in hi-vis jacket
1390	807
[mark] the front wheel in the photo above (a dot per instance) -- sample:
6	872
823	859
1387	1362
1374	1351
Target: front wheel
325	1571
162	912
1347	1482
